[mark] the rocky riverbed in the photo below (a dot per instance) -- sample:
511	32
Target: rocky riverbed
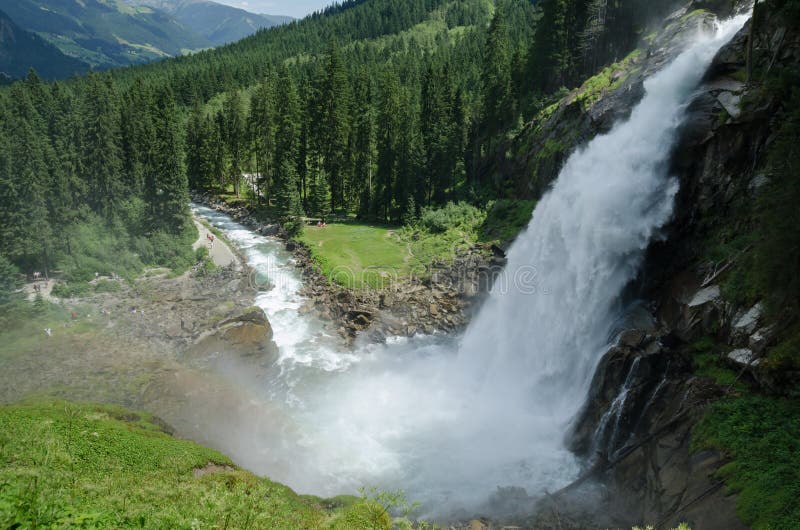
442	300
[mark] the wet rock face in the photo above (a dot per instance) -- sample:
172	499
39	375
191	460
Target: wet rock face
637	424
630	379
644	390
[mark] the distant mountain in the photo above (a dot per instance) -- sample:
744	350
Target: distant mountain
105	33
20	50
218	23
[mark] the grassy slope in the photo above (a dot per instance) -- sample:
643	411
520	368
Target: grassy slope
761	436
357	254
367	255
96	466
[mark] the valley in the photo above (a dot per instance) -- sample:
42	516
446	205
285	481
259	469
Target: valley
430	264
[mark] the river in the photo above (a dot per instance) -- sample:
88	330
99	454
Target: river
449	419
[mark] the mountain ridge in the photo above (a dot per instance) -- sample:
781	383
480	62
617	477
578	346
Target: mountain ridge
114	33
219	23
21	50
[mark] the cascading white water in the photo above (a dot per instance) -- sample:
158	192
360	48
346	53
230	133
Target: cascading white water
450	421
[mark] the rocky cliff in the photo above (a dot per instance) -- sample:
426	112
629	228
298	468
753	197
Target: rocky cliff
636	429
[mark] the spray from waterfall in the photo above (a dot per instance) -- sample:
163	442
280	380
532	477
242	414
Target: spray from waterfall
450	421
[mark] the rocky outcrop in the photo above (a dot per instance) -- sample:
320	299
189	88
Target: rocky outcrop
442	301
246	335
544	144
645	400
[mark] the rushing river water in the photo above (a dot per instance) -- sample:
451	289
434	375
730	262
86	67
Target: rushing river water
450	419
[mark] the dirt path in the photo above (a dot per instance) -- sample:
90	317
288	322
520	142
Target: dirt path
45	289
219	251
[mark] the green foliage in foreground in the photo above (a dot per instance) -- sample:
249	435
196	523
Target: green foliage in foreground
761	435
96	466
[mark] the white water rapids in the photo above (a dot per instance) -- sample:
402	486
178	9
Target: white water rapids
449	419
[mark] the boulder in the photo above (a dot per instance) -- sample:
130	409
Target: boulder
247	335
745	325
632	338
705	296
760	340
743	357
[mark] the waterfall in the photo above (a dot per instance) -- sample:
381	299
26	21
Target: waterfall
450	421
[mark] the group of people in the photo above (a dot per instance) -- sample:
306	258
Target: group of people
321	224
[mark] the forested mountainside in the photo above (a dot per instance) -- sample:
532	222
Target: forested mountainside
388	110
218	23
20	51
376	108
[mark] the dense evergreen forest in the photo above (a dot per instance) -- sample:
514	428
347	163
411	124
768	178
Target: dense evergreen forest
373	108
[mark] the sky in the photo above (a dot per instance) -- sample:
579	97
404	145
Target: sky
294	8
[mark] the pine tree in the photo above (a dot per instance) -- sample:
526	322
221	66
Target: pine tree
388	146
194	147
318	204
287	195
235	136
138	136
315	135
364	142
336	98
102	160
497	94
437	131
25	233
550	57
172	193
262	131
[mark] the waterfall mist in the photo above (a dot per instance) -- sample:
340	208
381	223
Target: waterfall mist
451	419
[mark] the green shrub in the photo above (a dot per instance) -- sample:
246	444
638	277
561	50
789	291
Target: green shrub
72	290
506	218
786	354
94	246
761	436
707	361
163	249
454	215
200	254
107	286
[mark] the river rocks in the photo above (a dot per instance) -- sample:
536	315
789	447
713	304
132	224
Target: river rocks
440	302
